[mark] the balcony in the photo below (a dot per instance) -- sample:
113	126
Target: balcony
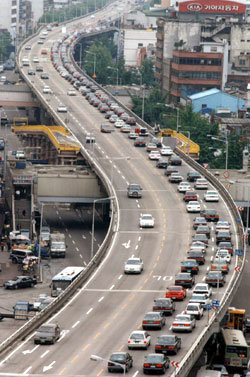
159	36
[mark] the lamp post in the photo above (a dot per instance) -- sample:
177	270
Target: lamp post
79	44
94	68
226	143
93	222
117	73
98	358
39	240
188	133
177	119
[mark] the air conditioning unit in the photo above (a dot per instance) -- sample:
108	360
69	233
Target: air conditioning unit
12	164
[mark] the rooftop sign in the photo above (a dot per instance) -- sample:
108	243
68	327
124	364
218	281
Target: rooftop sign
212	6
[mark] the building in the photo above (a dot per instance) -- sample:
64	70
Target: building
215	99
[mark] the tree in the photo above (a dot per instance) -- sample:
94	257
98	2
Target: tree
103	59
5	42
147	72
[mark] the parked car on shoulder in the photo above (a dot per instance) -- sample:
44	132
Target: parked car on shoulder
20	282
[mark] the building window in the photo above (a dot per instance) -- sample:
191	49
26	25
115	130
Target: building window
204	106
214	49
242	62
197	75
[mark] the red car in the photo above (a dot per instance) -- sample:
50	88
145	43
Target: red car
176	292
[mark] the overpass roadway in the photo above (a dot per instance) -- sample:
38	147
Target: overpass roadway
110	305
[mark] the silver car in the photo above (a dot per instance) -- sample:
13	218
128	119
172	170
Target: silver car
47	333
139	339
183	323
154	320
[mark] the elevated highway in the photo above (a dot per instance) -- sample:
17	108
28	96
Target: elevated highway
100	317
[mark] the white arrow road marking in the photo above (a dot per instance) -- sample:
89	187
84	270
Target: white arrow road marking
63	333
25	352
126	244
47	367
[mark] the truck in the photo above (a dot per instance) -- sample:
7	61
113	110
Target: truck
57	245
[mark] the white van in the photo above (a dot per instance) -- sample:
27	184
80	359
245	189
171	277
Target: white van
25	62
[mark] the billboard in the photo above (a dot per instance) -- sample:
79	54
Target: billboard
212	6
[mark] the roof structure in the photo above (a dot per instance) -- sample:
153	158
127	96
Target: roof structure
205	93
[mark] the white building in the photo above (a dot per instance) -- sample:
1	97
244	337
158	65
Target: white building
37	10
134	41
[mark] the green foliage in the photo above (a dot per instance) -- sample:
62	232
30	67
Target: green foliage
147	72
5	42
103	60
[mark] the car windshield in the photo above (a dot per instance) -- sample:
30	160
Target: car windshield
117	357
174	288
189	263
154	358
137	336
45	328
192	307
152	316
214	275
182	318
146	217
200	288
183	276
165	302
134	187
197	297
166	339
133	261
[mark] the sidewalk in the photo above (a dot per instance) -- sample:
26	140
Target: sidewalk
8	269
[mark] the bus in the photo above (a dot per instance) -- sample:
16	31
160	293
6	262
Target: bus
63	279
234	319
235	348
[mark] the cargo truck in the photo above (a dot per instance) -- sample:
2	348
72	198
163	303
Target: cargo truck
57	245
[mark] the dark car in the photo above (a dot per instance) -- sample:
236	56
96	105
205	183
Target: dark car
193	175
140	142
190	265
200	237
162	163
210	215
31	72
123	358
20	282
164	305
226	246
223	236
105	128
39	68
197	255
154	320
156	363
168	344
175	160
157	141
131	121
185	279
44	76
199	221
203	229
170	170
215	278
189	196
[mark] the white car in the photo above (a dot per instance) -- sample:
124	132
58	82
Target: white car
132	135
166	151
203	288
222	225
183	187
46	89
200	298
154	155
71	92
90	138
133	266
35	59
201	184
139	339
193	206
211	196
125	129
194	309
223	254
198	246
62	109
147	221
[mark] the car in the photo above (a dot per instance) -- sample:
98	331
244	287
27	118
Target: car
183	187
132	122
164	305
223	236
226	245
146	221
71	92
35	59
156	363
132	135
215	278
133	266
211	196
134	190
199	221
39	68
31	72
210	215
113	118
157	141
42	297
162	163
197	245
166	151
119	123
151	147
154	155
175	178
197	255
220	264
154	320
105	128
201	184
193	175
200	298
201	237
143	131
190	265
223	254
44	52
140	142
183	323
220	368
90	138
47	90
125	129
175	160
139	339
190	196
20	282
62	109
185	279
203	288
193	207
28	47
170	170
222	225
44	76
176	292
168	344
123	358
47	333
203	229
194	309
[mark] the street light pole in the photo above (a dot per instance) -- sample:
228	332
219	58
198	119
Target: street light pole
39	240
143	103
226	143
98	358
117	74
177	120
94	68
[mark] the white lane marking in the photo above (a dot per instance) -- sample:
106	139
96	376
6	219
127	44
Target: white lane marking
45	353
70	235
89	311
27	370
80	255
138	205
77	249
134	375
213	248
139	238
212	239
112	286
75	324
136	247
211	258
204	277
66	229
123	177
127	182
120	277
207	268
83	237
73	242
85	264
212	227
170	328
205	206
100	299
